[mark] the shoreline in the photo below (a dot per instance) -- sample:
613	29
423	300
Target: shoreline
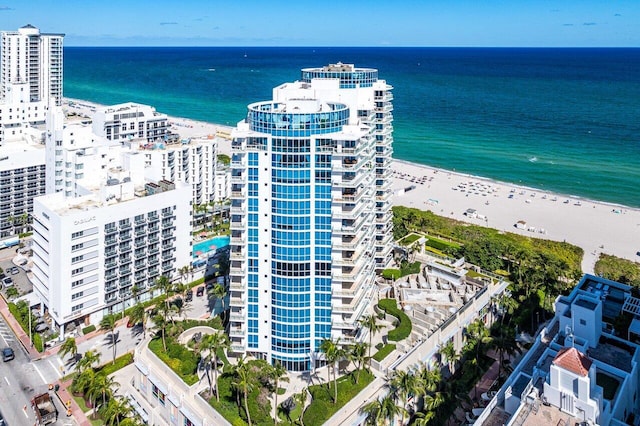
595	226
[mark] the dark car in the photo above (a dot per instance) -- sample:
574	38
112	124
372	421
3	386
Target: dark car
200	291
189	296
7	354
14	270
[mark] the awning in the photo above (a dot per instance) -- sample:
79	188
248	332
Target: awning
161	386
174	400
142	368
136	406
189	415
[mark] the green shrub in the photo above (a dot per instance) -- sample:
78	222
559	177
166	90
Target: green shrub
121	362
391	274
322	406
37	342
88	329
409	268
25	234
181	360
403	329
260	410
384	352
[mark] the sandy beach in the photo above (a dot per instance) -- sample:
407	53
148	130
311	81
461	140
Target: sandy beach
597	227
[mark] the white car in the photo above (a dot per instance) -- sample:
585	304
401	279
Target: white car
7	282
488	396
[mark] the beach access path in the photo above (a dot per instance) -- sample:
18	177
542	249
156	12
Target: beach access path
597	227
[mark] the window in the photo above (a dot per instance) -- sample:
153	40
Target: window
77	235
77	295
77	307
76	247
583	322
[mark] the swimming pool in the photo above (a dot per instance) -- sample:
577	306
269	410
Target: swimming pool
204	247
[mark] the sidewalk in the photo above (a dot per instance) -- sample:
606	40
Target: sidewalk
22	337
64	395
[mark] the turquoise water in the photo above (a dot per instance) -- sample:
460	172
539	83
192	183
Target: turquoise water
564	120
211	245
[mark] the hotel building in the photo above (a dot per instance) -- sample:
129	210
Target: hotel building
130	121
584	366
112	238
304	216
34	58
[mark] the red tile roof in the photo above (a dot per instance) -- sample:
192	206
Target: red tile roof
573	360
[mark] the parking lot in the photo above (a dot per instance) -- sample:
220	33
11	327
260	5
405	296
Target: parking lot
18	276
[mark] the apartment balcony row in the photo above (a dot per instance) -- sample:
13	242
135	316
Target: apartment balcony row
237	285
349	211
385	131
351	180
385	107
238	224
385	96
237	299
237	331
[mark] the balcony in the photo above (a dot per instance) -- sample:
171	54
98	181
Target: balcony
124	226
236	317
236	331
167	214
237	285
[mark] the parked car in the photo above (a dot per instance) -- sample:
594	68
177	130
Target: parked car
7	354
14	270
200	291
7	282
189	296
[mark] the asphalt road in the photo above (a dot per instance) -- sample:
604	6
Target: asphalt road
22	379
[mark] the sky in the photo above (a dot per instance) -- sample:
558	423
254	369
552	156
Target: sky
489	23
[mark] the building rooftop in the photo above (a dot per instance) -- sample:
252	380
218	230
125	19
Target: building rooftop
573	360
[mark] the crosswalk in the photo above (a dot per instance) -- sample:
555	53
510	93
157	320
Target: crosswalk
6	333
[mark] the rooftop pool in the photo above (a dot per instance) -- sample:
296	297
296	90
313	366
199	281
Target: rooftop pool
210	246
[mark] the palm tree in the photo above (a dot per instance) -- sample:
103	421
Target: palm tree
83	381
69	347
213	342
244	382
86	362
505	343
116	409
382	411
357	353
109	322
370	322
451	356
219	292
278	373
405	384
507	305
160	323
166	287
301	398
332	354
138	315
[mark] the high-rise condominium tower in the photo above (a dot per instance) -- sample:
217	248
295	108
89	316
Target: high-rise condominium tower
310	213
35	58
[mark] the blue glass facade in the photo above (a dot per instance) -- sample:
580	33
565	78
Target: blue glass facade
349	77
270	118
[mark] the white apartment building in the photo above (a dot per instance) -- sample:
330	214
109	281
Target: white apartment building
35	58
309	203
19	116
74	153
22	177
112	239
370	103
584	365
192	161
130	121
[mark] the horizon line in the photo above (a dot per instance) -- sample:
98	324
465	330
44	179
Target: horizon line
361	47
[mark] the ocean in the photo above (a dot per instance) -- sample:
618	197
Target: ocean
563	120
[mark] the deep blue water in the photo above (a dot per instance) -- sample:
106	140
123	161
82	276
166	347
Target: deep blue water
566	120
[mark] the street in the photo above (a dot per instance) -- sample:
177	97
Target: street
22	379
